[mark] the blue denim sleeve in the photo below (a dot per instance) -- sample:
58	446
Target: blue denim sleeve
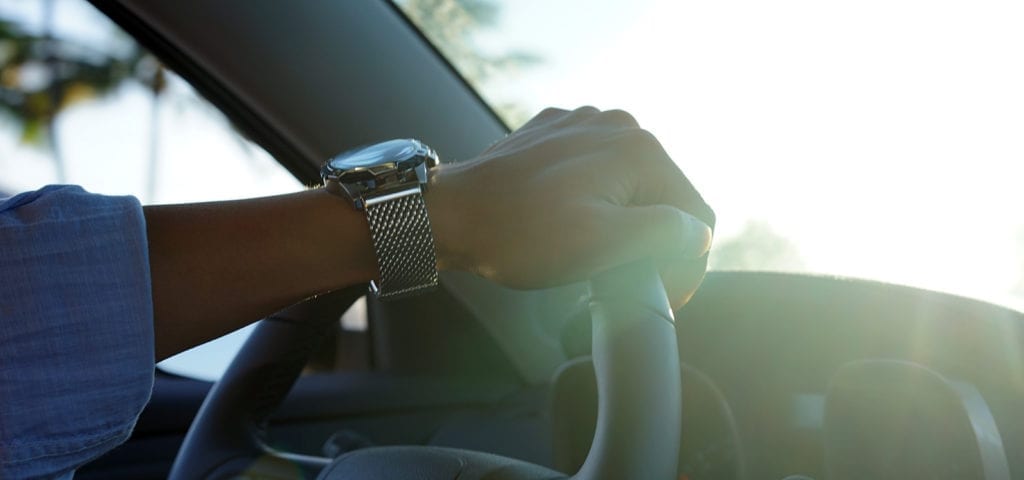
76	328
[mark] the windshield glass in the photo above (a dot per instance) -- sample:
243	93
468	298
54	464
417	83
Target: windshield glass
874	139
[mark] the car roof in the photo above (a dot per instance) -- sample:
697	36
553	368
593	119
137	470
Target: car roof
305	79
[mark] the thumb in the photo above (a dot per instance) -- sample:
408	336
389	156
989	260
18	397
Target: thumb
656	230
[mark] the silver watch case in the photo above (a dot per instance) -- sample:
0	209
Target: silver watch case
370	172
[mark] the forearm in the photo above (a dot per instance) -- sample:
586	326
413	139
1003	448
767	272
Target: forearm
550	204
216	267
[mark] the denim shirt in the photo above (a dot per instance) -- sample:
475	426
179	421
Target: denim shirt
76	328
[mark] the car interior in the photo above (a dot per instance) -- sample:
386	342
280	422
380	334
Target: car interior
762	375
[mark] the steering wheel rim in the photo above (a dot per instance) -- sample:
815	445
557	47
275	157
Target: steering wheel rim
635	355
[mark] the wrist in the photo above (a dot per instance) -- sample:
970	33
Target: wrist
341	224
385	183
443	207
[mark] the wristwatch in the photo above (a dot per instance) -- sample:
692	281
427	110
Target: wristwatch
387	181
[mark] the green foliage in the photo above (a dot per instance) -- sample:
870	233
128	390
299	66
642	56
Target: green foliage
450	25
41	76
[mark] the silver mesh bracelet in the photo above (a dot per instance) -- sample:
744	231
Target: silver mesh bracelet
403	242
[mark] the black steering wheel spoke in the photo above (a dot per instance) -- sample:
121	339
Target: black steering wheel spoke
639	420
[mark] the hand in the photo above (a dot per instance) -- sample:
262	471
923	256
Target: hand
567	196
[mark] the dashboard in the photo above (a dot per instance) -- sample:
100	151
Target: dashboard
838	378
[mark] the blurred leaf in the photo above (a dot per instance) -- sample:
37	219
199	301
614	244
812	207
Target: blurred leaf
40	77
77	92
33	132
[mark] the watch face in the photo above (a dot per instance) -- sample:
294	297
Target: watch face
373	155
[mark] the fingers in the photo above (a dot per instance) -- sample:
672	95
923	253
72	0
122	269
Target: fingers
655	178
586	115
599	191
632	233
613	118
678	241
549	125
551	116
629	153
681	277
633	153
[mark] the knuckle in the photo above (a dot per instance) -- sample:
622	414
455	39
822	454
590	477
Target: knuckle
549	114
640	139
551	111
638	145
646	138
620	117
586	110
707	215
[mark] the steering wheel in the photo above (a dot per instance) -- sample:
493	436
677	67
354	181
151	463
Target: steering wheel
638	430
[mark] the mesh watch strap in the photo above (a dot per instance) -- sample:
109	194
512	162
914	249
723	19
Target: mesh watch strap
403	242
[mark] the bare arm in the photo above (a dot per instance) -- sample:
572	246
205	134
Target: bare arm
566	196
218	266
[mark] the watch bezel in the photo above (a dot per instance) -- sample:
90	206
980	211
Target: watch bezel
389	175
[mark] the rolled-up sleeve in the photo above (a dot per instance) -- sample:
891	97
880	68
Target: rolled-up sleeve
76	328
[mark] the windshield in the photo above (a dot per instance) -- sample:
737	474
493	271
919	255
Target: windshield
875	139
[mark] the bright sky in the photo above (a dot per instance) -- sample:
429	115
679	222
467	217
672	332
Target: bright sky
884	137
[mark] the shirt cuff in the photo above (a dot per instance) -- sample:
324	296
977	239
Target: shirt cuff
76	328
